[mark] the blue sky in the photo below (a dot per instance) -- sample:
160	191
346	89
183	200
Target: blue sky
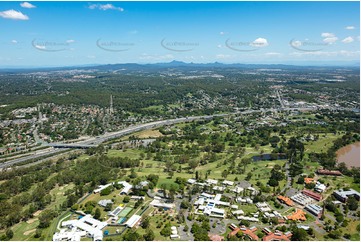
79	33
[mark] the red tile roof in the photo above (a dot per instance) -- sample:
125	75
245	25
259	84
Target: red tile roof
249	232
278	236
286	200
308	180
298	215
216	237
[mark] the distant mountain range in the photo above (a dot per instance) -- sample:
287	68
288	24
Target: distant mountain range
180	64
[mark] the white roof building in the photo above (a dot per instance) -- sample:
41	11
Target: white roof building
342	195
102	187
320	187
302	199
228	183
241	200
72	235
137	197
162	204
237	190
277	214
174	232
91	226
314	209
263	207
191	181
244	200
227	204
104	202
212	211
268	215
252	219
132	221
219	188
144	183
303	227
206	195
218	197
238	212
202	184
200	201
234	206
212	182
253	190
126	187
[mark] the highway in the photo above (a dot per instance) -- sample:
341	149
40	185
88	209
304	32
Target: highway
94	141
47	152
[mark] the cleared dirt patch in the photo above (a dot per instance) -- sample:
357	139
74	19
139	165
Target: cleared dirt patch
149	134
29	231
37	213
30	221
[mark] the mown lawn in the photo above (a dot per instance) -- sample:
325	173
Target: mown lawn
25	230
322	144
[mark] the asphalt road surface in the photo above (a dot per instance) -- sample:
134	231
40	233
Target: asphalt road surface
132	129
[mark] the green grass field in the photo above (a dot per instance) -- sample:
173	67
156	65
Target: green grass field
322	144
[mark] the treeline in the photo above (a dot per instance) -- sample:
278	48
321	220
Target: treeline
30	187
328	159
132	93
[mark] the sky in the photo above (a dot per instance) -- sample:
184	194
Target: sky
36	34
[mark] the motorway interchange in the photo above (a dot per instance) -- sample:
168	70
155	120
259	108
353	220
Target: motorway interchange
55	148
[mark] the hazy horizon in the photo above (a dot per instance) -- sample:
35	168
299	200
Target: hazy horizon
56	34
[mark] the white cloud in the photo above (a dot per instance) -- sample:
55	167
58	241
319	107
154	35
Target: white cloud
192	58
347	40
328	35
145	56
350	53
222	56
41	47
350	27
69	41
273	54
219	46
222	33
259	42
104	7
315	53
296	43
330	40
341	53
27	5
12	14
14	41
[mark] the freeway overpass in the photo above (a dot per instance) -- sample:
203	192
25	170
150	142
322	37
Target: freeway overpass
71	146
93	142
